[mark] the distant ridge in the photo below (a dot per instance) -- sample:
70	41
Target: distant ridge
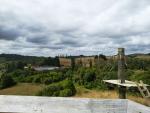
139	54
15	55
22	58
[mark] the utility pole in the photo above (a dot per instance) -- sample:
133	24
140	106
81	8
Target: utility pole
121	73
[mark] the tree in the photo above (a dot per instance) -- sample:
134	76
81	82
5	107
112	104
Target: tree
50	61
102	56
6	81
89	76
20	65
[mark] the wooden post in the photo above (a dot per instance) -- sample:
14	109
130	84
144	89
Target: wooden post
121	72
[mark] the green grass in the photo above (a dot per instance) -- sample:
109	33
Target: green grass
22	89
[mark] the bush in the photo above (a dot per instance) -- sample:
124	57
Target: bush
141	75
89	76
29	79
48	78
66	92
89	85
64	89
21	75
6	81
67	84
37	79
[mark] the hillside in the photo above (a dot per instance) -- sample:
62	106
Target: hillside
15	57
140	56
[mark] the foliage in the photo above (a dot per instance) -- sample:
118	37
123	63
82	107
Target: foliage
20	58
138	64
55	81
6	81
50	61
92	77
48	78
102	56
64	89
141	75
21	75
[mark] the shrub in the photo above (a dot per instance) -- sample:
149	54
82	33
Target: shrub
67	84
66	93
29	79
6	81
64	88
89	76
37	79
141	75
48	78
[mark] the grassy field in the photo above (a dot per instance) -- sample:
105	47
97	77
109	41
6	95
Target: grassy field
106	94
144	57
86	93
22	89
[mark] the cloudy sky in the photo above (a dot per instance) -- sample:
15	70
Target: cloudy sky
53	27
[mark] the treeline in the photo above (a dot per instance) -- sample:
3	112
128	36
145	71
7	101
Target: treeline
20	58
51	61
39	61
138	64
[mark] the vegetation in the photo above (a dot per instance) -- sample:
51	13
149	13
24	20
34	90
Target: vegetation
50	61
6	81
13	58
106	94
141	75
62	82
64	89
22	89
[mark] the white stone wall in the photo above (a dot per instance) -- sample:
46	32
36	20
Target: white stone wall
34	104
134	107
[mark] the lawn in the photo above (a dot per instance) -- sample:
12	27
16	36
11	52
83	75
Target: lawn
105	94
22	89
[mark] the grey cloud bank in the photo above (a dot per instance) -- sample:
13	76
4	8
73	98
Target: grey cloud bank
52	27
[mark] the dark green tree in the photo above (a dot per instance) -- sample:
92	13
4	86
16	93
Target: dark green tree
6	81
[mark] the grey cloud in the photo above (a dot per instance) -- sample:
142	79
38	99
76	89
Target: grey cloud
36	46
71	43
34	28
38	39
132	49
53	47
8	34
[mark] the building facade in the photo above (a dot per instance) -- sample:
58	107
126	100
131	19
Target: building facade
85	61
65	62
